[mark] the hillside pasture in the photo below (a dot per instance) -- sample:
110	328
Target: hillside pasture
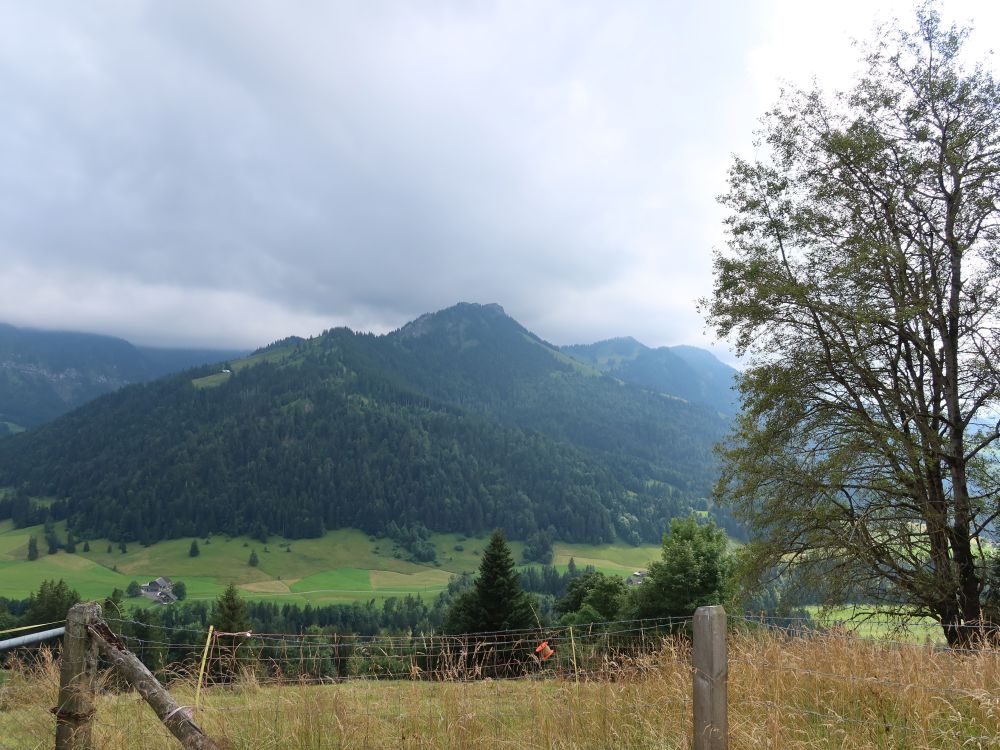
342	566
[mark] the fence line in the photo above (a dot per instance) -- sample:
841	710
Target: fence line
828	677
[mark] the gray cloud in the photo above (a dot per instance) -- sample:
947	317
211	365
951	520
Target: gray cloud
235	171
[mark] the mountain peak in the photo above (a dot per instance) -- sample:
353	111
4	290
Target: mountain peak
456	314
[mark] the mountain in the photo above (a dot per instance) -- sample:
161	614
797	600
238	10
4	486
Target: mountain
686	372
47	373
462	420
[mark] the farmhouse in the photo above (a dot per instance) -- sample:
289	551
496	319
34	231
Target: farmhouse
159	590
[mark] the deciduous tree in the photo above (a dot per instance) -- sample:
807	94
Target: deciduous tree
861	283
694	570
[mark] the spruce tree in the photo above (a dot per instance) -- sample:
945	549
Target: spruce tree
193	550
50	603
33	548
230	611
496	601
254	560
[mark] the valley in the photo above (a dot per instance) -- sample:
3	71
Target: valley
343	566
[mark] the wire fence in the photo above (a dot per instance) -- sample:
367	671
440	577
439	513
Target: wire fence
792	683
583	652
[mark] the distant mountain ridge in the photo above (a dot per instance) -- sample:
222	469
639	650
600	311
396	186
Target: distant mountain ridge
44	374
687	372
462	420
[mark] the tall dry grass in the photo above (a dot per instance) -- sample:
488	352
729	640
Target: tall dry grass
821	691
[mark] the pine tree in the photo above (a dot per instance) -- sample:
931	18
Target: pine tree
33	548
254	560
51	540
70	542
51	602
193	550
496	600
86	546
230	611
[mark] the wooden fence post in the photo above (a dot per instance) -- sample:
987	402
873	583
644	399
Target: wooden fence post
176	718
711	672
77	672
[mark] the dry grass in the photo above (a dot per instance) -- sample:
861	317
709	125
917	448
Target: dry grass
830	691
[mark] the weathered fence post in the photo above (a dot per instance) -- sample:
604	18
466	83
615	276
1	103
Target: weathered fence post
711	672
77	672
176	718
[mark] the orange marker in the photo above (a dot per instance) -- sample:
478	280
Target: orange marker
544	650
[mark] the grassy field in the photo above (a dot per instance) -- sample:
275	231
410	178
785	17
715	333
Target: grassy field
867	622
342	566
784	693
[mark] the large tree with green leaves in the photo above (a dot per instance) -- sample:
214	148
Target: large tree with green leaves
695	570
861	283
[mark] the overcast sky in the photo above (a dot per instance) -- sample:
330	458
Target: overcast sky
226	173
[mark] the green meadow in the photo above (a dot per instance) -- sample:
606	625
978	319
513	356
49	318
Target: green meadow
342	566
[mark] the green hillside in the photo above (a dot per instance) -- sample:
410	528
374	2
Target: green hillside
461	421
342	566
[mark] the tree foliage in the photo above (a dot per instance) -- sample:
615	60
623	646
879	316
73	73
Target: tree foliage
695	571
591	597
496	600
464	423
230	611
861	282
50	603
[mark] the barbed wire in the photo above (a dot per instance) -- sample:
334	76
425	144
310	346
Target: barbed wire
989	639
902	622
643	623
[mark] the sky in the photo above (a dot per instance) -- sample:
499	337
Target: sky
225	173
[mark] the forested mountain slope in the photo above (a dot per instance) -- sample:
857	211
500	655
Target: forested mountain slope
684	371
460	421
47	373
